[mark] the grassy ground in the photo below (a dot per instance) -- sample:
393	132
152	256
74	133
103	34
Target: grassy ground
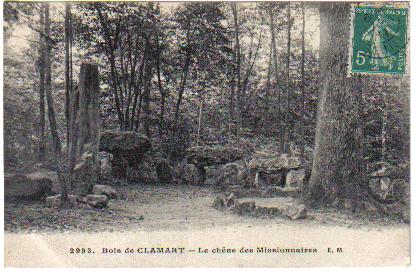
165	207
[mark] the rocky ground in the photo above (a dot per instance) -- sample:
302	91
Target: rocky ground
166	207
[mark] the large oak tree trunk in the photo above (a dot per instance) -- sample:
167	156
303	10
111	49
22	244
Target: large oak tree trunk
337	172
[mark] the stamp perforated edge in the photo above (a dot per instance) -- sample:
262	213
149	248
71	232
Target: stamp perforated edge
351	41
350	73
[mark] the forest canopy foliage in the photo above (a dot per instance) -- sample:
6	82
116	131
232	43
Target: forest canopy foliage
186	74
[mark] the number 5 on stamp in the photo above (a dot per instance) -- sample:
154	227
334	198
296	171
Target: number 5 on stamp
378	38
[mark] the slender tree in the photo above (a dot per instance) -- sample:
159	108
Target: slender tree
41	63
286	128
276	75
200	118
238	68
56	145
68	80
302	71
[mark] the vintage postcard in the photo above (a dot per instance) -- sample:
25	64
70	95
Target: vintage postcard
206	134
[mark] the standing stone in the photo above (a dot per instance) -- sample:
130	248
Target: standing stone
84	131
294	178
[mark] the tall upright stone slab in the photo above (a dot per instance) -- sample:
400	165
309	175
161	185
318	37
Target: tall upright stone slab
84	141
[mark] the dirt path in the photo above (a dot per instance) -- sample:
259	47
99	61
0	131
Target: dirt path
173	216
167	207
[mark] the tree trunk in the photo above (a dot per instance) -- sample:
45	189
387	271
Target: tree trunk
67	65
231	113
384	125
276	77
267	117
162	92
182	85
162	105
302	69
238	69
146	93
337	172
51	113
41	63
200	118
286	129
146	105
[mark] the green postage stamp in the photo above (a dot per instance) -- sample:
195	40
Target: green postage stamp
378	38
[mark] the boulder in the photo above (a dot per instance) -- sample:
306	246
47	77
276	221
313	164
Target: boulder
105	160
164	170
106	190
32	186
261	179
97	201
85	174
382	189
276	206
244	208
294	178
230	200
128	149
127	143
219	203
293	210
272	163
145	171
232	174
214	155
210	155
55	201
44	173
190	174
401	171
213	174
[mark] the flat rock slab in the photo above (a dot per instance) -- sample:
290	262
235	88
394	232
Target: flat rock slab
55	201
285	206
258	206
272	191
106	190
113	141
32	186
272	163
214	155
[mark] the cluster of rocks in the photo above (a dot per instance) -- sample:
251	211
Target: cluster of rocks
389	184
127	149
262	171
125	155
270	207
99	198
204	156
277	169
